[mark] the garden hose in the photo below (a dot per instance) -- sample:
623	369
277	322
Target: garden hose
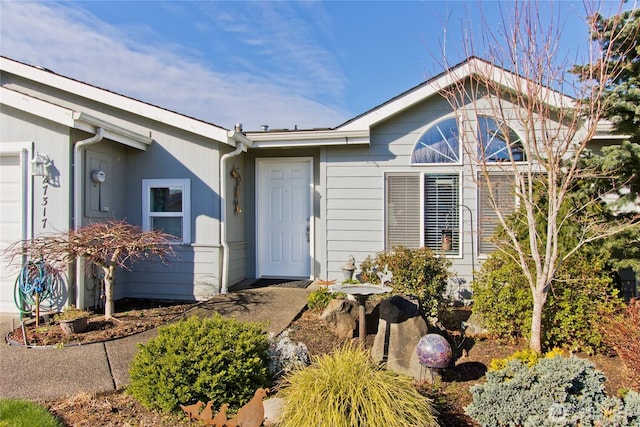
34	282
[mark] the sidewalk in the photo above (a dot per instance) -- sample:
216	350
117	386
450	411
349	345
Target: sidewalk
102	367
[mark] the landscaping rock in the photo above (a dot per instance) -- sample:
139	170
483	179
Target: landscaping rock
272	411
399	332
474	326
341	317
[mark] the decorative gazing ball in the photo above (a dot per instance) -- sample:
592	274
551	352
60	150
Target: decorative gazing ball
434	351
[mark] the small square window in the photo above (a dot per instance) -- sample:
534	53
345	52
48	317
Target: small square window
166	205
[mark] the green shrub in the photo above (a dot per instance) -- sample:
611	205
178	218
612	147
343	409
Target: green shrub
554	391
318	300
22	413
581	294
527	357
222	360
416	272
346	389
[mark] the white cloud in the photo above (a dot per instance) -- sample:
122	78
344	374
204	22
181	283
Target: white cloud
72	42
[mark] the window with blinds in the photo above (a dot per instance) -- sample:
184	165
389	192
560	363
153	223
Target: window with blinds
505	201
402	211
442	213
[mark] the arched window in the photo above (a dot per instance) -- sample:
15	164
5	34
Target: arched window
495	138
438	144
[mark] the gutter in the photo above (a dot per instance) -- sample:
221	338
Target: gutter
224	279
77	166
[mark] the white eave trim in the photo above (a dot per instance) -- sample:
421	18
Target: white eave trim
234	137
34	106
113	132
604	130
426	90
130	105
72	119
312	138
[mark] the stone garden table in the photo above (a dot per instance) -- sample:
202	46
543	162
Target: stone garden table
361	292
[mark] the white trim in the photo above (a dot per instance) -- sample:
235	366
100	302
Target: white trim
461	142
313	138
72	119
24	150
185	186
468	68
37	107
130	105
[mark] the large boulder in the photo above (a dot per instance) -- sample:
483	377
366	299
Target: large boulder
341	317
399	331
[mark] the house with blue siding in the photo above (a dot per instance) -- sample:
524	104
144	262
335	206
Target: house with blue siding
245	204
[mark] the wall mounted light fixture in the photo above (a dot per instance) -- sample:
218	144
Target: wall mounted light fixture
40	164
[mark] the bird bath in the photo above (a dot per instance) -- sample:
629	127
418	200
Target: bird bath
361	292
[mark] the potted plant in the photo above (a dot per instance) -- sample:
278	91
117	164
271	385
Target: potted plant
72	320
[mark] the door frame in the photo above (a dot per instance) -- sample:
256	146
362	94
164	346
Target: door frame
258	207
22	150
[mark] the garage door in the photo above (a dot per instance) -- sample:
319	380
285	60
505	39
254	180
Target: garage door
11	221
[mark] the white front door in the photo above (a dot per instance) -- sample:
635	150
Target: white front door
284	224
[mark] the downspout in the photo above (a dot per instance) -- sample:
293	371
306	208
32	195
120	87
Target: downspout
77	203
224	285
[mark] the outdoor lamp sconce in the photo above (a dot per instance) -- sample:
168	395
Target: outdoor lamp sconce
40	165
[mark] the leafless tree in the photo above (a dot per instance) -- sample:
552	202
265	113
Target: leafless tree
110	245
544	135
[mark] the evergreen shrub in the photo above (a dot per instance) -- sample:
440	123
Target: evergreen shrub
555	391
528	357
416	273
319	300
347	389
580	296
222	360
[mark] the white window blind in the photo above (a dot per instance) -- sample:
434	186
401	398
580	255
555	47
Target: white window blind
441	213
504	196
402	210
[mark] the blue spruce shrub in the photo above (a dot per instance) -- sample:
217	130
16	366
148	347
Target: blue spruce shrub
555	391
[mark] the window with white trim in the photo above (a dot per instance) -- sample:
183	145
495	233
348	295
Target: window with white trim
423	210
498	142
402	210
438	144
441	213
166	206
502	191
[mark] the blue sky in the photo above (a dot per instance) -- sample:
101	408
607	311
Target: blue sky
284	64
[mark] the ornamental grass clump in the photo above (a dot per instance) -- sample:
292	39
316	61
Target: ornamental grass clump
347	389
222	360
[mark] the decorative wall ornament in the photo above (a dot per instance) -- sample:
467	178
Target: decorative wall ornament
235	174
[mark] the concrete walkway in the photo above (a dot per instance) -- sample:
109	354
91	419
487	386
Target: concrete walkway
44	373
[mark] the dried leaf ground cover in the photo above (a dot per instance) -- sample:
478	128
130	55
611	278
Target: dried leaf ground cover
131	317
451	394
